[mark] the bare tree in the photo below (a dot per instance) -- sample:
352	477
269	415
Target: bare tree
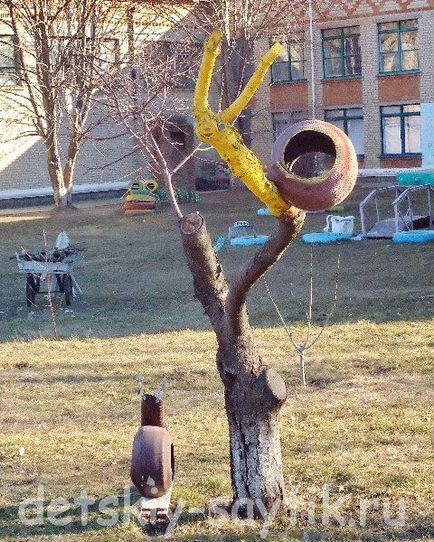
311	337
61	50
145	101
150	100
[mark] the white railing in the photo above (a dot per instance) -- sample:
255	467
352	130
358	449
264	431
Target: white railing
406	196
372	197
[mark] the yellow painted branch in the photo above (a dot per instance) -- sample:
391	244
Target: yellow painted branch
210	54
232	112
216	130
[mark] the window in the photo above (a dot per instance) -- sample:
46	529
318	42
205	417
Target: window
400	129
282	120
398	46
351	122
8	62
289	66
341	52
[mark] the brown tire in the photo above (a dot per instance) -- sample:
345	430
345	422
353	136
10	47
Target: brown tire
152	461
318	191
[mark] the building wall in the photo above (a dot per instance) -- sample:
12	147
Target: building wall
368	91
102	158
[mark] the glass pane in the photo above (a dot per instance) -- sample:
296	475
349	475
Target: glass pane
391	109
331	33
7	59
392	135
353	55
389	62
410	60
332	48
353	65
388	42
409	41
412	134
411	23
284	53
333	114
352	30
297	116
333	67
280	122
297	71
355	133
338	123
413	108
389	26
280	71
108	51
296	51
355	112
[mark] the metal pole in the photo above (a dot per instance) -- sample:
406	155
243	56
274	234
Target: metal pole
312	60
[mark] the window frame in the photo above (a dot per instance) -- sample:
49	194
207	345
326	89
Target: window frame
402	115
302	61
345	117
340	35
398	31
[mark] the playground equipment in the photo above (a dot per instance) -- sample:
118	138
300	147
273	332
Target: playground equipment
140	197
241	234
325	238
153	460
404	217
290	191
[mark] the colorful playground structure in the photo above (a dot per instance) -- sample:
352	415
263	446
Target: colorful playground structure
140	197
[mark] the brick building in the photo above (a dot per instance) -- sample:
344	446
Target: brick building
368	69
373	63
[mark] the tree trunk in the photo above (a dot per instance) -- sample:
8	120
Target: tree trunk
68	172
55	173
254	393
253	398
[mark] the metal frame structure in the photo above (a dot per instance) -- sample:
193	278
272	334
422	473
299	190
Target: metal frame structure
406	196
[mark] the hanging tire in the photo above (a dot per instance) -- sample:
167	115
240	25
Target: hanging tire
314	165
68	289
31	290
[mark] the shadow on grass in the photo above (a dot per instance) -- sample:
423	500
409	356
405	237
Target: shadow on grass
40	523
104	514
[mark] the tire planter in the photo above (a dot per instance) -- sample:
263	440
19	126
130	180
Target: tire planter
138	206
318	192
151	462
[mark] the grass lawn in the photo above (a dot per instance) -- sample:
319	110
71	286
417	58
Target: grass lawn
69	408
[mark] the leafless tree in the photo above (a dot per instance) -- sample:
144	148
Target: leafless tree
145	103
61	48
311	337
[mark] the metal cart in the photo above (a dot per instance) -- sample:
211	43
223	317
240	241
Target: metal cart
54	277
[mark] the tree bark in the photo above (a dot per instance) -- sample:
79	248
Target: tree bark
254	393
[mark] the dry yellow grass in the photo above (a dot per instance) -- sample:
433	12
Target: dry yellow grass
363	426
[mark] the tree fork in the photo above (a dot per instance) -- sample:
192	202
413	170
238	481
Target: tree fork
254	393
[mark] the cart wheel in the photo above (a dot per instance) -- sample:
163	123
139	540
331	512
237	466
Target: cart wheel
31	290
67	288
